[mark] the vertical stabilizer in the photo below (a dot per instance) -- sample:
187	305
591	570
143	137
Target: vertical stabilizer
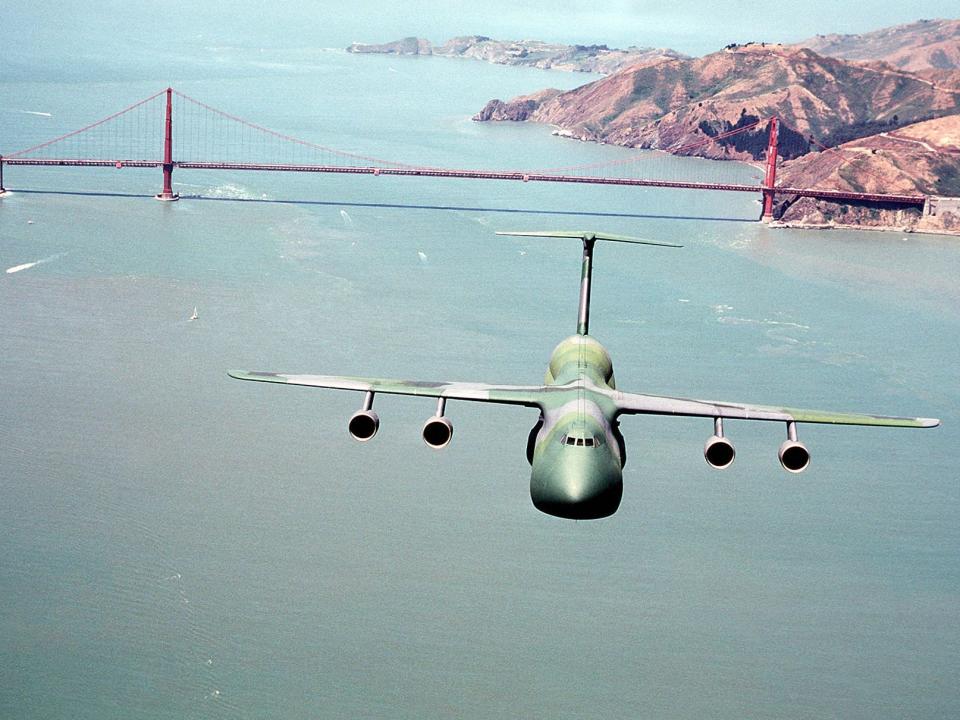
589	240
586	275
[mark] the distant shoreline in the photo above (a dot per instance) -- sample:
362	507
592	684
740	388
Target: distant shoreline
598	59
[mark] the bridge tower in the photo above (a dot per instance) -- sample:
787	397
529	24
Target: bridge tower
770	179
3	190
167	193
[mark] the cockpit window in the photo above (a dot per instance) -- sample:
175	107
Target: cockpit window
580	441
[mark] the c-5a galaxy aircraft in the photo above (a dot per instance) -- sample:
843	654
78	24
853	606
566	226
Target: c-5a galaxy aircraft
575	449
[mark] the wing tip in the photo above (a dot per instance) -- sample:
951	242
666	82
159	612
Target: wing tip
253	375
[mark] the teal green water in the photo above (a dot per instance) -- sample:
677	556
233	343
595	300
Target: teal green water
175	544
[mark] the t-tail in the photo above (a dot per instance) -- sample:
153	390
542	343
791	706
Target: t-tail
586	274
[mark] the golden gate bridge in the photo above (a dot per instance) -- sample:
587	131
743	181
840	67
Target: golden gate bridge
212	139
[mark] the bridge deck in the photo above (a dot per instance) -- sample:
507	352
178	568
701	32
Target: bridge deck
479	174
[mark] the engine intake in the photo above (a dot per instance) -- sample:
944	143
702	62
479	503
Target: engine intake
437	432
794	456
719	452
363	425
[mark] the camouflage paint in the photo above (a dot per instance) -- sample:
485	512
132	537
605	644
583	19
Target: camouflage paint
575	449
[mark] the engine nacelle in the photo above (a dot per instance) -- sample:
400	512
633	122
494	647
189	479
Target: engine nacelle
437	432
719	452
794	456
363	425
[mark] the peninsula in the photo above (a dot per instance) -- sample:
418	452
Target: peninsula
529	53
890	123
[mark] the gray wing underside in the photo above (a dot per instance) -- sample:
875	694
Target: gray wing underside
527	395
635	404
538	396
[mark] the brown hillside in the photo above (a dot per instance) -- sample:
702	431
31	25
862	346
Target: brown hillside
921	45
669	104
942	134
919	159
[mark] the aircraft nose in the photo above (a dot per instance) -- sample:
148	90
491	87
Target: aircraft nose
577	489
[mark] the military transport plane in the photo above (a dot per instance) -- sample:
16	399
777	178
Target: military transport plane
575	449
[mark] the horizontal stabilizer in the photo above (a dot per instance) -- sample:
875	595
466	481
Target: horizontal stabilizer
587	236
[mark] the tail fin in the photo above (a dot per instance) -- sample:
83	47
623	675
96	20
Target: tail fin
589	239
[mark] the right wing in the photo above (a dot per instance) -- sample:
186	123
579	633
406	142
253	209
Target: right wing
632	403
527	395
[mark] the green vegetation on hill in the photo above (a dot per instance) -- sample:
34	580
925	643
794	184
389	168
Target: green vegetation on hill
791	144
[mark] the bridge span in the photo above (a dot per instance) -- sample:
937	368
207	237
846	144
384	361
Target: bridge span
117	154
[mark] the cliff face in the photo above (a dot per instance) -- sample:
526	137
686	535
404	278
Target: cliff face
921	158
530	53
518	109
671	104
926	44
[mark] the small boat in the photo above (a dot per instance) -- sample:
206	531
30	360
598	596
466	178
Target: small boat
194	316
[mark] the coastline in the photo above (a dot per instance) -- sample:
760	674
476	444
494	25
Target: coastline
780	225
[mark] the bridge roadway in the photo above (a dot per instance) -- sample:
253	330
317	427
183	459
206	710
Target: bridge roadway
479	174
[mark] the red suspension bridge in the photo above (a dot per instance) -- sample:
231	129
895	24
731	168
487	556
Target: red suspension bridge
208	138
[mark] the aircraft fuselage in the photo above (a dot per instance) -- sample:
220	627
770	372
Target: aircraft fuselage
577	451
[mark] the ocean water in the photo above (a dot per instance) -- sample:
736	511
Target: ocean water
176	544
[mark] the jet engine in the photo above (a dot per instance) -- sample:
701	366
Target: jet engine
438	430
718	451
363	425
793	454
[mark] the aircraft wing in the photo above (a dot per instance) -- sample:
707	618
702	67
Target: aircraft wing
528	395
634	404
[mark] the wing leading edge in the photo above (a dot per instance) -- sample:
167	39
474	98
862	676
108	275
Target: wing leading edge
527	395
635	404
627	403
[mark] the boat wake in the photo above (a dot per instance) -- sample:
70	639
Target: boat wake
27	266
231	191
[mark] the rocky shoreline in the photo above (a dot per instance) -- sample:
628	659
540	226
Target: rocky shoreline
905	229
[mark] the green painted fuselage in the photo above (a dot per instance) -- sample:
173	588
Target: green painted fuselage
576	450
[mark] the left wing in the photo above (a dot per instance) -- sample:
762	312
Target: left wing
528	395
634	404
